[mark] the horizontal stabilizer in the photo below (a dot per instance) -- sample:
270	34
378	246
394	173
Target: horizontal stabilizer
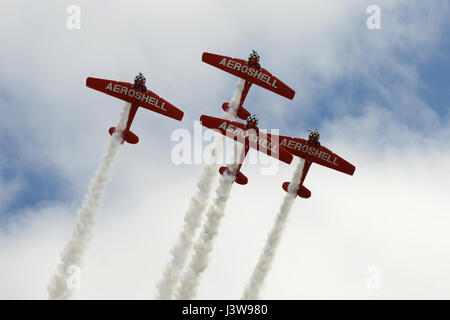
240	177
302	192
129	136
225	106
241	114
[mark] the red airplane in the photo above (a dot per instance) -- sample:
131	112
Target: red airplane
312	151
251	72
248	135
138	95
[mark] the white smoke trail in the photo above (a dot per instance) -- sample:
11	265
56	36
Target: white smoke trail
192	220
191	278
234	102
193	217
72	254
254	286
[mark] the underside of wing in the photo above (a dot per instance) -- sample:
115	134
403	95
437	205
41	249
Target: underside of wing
113	88
320	155
256	140
242	69
225	127
146	99
151	101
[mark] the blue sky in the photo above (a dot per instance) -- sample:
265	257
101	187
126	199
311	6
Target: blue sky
388	85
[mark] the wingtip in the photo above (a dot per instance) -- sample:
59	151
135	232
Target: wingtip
204	55
291	97
203	118
291	157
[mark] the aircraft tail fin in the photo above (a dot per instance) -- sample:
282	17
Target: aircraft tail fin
302	192
240	177
129	136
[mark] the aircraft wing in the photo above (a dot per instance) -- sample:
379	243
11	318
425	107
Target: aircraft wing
323	156
125	91
238	132
241	69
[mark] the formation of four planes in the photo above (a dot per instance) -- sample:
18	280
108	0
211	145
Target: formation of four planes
279	147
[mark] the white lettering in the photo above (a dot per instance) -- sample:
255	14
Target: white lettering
374	20
74	20
318	153
138	95
291	144
223	126
273	84
264	77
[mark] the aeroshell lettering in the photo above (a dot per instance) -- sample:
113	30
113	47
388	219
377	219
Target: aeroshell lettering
310	150
252	72
136	94
233	131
